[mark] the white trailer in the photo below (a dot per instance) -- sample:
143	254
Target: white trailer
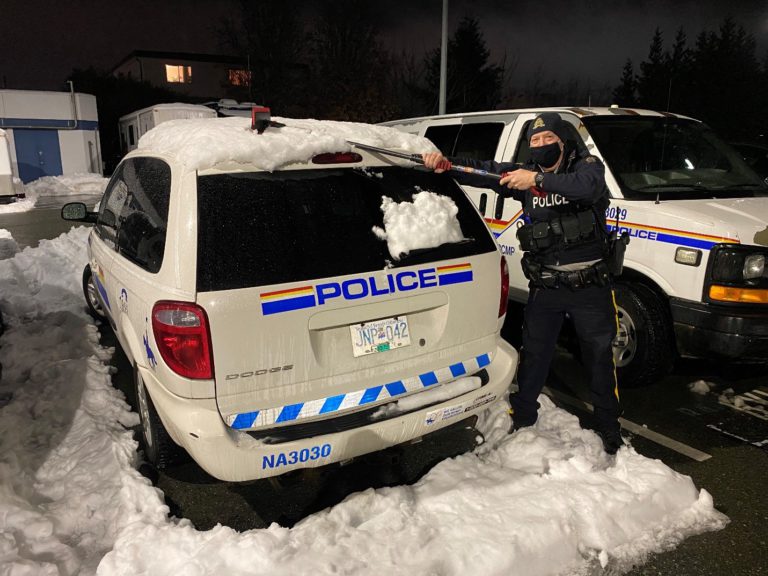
7	192
134	125
50	133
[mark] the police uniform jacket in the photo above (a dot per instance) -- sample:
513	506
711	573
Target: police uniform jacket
576	186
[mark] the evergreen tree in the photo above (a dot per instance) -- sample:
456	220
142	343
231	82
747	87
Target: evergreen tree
351	73
625	93
679	65
653	81
473	83
726	82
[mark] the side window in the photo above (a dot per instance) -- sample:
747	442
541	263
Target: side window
444	137
478	141
143	217
131	137
110	207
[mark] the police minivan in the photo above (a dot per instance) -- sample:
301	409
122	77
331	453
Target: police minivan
695	281
270	328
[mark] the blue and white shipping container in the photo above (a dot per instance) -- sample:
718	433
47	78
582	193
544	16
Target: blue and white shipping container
50	133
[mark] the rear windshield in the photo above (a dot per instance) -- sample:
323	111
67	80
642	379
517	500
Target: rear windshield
671	158
259	228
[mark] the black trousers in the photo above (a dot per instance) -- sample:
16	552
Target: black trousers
593	312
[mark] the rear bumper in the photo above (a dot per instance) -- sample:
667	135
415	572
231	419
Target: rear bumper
704	330
234	456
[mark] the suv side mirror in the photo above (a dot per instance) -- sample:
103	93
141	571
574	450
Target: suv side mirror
77	212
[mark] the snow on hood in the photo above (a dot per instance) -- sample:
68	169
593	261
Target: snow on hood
206	142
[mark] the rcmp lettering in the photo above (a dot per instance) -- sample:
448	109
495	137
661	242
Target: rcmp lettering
295	456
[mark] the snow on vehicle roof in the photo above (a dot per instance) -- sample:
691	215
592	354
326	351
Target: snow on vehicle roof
205	142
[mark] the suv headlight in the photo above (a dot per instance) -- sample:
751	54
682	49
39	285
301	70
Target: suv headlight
737	274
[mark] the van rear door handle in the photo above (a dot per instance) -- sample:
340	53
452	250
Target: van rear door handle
499	207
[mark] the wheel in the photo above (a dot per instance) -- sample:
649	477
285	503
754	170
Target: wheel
91	295
159	448
644	348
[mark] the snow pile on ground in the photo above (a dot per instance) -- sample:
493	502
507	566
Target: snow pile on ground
546	500
209	141
67	482
701	387
72	185
8	246
427	222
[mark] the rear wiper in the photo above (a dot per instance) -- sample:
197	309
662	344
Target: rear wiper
422	251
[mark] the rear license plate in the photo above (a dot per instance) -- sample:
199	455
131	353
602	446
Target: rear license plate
380	336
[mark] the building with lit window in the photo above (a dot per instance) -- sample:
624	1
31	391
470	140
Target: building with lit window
197	76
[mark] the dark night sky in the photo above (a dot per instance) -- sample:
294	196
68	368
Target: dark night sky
42	41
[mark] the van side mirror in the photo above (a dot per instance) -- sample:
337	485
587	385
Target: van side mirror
77	212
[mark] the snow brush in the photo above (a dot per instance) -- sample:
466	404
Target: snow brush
446	165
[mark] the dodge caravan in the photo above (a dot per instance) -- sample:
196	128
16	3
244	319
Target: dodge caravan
269	327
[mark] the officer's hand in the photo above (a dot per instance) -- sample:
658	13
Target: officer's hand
519	180
433	160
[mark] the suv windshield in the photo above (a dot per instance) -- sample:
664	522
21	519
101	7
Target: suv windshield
674	158
260	228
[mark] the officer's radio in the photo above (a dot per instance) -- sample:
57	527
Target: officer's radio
617	245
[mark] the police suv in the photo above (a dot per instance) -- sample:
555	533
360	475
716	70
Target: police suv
269	327
695	281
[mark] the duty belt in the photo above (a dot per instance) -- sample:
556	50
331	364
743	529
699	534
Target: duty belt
597	274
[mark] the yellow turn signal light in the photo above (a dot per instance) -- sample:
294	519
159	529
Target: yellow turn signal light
744	295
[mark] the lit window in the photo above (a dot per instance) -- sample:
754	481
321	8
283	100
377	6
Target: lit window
178	74
240	77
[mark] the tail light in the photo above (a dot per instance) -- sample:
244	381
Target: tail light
504	298
183	338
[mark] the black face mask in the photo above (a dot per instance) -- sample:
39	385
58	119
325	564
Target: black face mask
546	156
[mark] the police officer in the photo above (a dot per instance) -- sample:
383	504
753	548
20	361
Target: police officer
565	244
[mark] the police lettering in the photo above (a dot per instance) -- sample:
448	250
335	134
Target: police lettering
636	233
357	288
549	200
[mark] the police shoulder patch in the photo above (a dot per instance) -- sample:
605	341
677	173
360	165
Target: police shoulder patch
591	159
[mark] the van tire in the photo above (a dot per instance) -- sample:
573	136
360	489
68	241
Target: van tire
91	295
159	448
644	348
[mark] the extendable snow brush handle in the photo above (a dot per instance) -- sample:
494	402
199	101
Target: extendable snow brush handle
444	165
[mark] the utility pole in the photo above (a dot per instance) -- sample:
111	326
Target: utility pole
444	58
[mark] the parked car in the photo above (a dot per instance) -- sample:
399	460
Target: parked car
269	327
695	281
